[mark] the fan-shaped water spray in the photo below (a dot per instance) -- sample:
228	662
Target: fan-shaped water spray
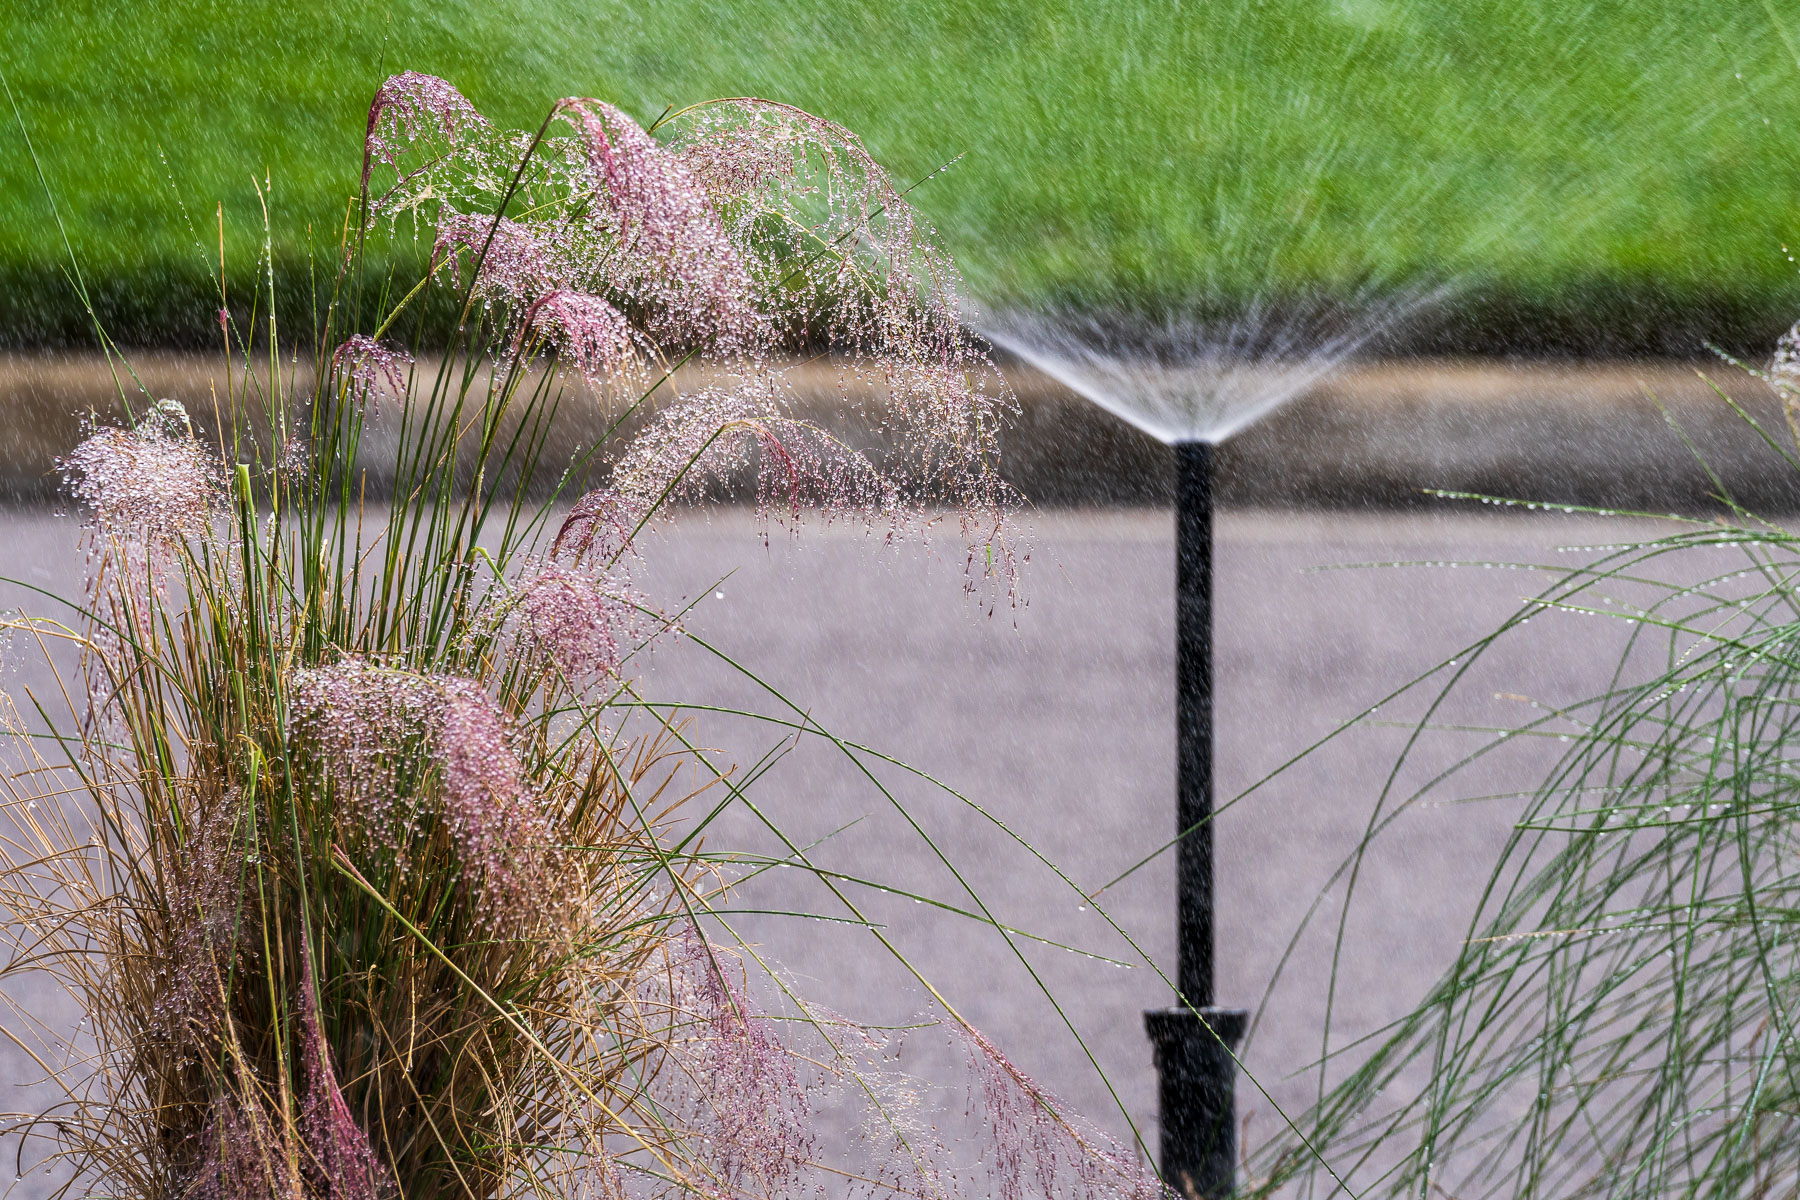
1196	378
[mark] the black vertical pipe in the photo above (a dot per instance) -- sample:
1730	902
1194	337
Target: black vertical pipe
1194	721
1192	1044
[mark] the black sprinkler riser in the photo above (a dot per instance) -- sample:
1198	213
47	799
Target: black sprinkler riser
1195	1070
1194	720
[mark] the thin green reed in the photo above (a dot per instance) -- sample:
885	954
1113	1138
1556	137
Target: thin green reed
1619	1021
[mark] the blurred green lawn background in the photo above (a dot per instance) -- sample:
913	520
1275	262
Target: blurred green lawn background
1596	176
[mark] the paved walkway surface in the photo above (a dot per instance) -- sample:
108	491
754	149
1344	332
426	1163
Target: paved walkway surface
1057	716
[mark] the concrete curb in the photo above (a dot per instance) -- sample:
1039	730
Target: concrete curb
1376	435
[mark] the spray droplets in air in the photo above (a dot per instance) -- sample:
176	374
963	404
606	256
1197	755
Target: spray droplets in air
1193	378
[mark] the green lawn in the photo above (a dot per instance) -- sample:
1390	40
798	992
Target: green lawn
1590	170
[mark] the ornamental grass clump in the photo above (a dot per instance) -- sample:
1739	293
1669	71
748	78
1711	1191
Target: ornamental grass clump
1620	1019
371	873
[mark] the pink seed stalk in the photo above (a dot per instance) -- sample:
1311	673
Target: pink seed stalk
677	254
515	265
493	816
589	332
368	367
601	527
582	618
412	105
242	1155
154	485
340	1163
630	244
1037	1146
705	438
748	1104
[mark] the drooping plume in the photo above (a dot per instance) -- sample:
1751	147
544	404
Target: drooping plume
675	254
410	106
589	333
740	1088
707	438
493	816
601	527
1038	1146
581	615
243	1155
515	266
337	1160
753	225
154	485
368	368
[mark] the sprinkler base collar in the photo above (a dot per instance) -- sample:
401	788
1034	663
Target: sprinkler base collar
1196	1079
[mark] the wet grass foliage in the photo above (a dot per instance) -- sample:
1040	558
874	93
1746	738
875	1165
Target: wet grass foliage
1600	175
1621	1019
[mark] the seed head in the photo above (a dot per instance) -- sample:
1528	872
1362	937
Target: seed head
376	730
410	106
363	723
1037	1146
706	438
675	252
747	1100
243	1157
588	331
367	367
498	829
154	484
583	618
205	940
760	159
734	158
339	1161
600	527
514	268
